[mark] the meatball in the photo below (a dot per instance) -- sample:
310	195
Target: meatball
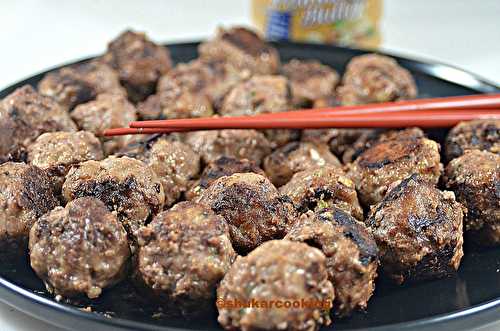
175	103
56	152
175	163
259	94
339	140
393	160
281	137
252	207
351	255
475	179
242	48
368	138
284	162
320	187
80	83
373	78
24	115
223	166
183	254
79	249
125	185
239	144
108	111
418	230
309	81
477	134
139	62
26	193
279	274
209	78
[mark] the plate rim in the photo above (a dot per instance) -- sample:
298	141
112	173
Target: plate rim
428	67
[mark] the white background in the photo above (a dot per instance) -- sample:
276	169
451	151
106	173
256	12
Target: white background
38	34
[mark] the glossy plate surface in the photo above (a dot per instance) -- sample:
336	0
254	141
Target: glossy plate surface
469	299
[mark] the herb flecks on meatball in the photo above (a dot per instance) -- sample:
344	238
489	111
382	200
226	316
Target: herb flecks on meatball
351	254
223	166
79	249
320	187
277	271
375	78
418	230
187	232
252	206
26	193
475	179
294	157
24	115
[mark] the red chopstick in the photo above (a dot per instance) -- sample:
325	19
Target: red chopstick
425	119
125	131
479	102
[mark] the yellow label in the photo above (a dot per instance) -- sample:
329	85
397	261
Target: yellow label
343	22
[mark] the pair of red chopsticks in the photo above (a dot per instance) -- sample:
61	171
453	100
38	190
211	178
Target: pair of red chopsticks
436	112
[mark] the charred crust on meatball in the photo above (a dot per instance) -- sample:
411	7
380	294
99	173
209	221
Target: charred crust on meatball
353	230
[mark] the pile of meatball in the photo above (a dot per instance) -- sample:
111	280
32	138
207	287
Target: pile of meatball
236	215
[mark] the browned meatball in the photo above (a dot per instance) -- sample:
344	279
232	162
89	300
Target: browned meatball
284	162
309	81
183	254
125	185
25	194
320	187
375	78
339	140
212	79
418	230
139	62
252	207
478	134
280	274
56	152
351	255
80	83
223	166
368	138
240	144
108	111
175	103
24	115
79	249
175	163
392	160
475	179
259	94
242	48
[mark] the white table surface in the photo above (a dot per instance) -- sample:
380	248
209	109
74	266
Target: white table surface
38	34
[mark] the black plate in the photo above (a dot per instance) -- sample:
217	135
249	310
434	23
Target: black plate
468	299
